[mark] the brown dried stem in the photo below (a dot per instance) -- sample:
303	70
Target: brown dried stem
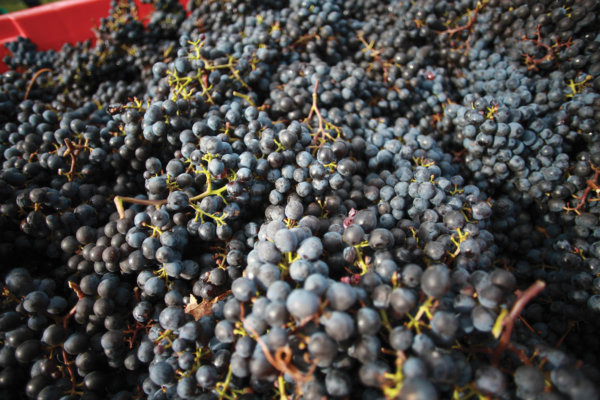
321	135
591	184
282	360
73	150
32	81
469	26
376	56
533	62
131	332
65	319
509	321
118	200
72	377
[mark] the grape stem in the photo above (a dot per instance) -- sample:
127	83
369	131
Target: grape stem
531	61
469	25
509	321
315	109
591	185
134	331
118	200
72	379
65	319
73	150
321	135
282	360
32	81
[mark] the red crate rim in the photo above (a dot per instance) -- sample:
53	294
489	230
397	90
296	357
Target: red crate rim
52	25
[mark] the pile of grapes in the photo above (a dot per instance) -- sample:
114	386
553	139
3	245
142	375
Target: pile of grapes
305	199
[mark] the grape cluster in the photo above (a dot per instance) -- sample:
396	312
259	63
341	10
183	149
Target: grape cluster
304	200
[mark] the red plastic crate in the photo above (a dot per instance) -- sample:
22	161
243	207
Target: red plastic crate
51	25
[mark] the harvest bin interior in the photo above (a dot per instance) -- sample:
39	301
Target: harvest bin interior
52	25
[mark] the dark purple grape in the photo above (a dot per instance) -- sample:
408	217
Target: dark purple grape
161	373
302	303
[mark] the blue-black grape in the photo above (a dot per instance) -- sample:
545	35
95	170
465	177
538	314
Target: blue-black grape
302	303
363	190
